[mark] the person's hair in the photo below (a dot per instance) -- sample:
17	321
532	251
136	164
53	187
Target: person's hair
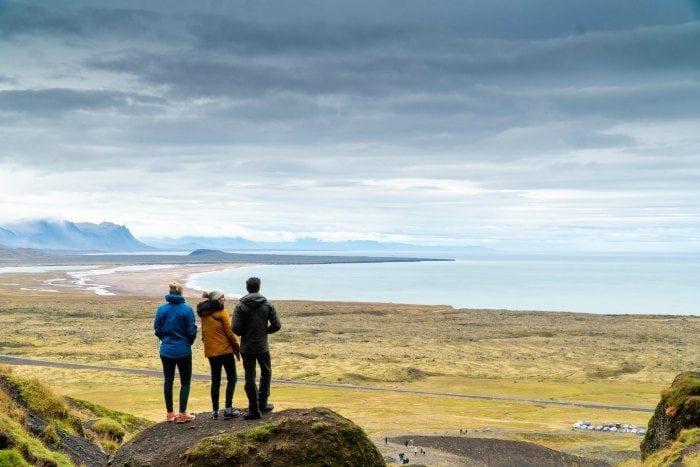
213	295
175	288
253	285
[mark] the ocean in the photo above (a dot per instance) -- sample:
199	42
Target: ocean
593	283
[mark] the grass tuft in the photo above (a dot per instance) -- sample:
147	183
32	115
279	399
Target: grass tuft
12	458
109	428
42	401
32	450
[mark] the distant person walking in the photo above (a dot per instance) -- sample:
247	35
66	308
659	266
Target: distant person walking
220	346
253	319
175	326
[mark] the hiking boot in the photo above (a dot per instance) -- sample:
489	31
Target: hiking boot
170	417
265	407
215	415
249	415
185	417
231	413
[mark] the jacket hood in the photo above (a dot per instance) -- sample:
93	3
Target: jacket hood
208	307
253	300
174	299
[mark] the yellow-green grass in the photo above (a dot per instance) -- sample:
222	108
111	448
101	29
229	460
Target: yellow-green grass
615	360
678	451
376	343
27	446
378	413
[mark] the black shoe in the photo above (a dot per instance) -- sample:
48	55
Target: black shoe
264	408
215	415
252	415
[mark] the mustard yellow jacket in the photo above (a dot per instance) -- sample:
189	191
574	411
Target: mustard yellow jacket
216	330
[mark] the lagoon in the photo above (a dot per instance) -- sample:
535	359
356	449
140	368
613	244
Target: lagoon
592	283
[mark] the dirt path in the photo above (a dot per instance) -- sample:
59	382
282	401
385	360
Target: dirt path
12	360
432	458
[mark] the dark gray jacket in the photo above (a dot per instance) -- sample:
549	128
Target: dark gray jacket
250	321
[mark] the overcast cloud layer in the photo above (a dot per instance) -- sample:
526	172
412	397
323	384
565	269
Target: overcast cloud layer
505	123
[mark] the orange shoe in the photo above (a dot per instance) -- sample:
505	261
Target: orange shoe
185	417
170	417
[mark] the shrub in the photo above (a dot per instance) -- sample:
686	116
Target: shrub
11	458
109	428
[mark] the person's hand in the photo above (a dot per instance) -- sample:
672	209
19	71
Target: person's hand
236	349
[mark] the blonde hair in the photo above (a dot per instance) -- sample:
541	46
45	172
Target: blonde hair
175	288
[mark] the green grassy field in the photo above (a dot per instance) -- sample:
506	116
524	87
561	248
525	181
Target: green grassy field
615	360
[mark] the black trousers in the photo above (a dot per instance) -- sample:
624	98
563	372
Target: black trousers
215	363
184	367
257	396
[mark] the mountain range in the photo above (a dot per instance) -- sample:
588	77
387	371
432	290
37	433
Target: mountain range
300	244
64	235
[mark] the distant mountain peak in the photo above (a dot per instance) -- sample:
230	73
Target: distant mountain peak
50	234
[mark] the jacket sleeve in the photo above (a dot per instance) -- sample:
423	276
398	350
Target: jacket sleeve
237	325
275	324
191	326
226	321
158	324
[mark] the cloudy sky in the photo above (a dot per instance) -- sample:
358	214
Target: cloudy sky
513	124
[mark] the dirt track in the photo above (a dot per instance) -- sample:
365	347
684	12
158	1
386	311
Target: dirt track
12	360
489	452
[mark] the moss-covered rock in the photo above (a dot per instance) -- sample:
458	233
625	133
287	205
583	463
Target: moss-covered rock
678	409
313	437
683	451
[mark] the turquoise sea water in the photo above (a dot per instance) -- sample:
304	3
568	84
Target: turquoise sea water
650	284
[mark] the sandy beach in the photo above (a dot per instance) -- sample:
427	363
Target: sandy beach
142	281
154	282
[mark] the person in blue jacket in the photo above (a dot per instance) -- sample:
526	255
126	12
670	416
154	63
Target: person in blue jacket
176	328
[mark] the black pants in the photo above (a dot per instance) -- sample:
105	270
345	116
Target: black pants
215	363
184	367
257	397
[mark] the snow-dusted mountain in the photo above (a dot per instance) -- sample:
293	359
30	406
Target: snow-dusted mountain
64	235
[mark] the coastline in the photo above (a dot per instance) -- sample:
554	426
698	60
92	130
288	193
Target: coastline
111	280
154	282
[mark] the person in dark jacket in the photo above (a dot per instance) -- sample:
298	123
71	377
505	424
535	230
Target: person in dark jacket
253	319
175	326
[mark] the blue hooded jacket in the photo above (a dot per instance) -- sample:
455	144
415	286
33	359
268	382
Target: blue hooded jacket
175	326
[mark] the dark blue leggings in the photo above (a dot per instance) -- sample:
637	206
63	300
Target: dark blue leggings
230	367
184	367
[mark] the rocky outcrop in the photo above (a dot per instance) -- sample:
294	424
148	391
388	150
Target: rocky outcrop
310	437
678	409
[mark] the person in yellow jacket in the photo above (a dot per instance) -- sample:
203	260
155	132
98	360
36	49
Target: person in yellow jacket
220	346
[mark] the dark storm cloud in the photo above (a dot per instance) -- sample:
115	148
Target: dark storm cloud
434	66
43	102
19	18
390	116
245	37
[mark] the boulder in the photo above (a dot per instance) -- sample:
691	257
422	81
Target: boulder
679	409
309	437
